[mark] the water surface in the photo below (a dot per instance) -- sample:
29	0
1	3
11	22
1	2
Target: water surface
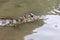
17	8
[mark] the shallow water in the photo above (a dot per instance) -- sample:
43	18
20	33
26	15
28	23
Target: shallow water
41	28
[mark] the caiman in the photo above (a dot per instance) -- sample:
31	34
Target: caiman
24	19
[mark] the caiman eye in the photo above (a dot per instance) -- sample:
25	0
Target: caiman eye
31	16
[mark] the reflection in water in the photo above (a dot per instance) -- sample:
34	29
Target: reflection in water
49	31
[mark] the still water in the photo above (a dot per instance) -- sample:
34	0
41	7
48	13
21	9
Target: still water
46	28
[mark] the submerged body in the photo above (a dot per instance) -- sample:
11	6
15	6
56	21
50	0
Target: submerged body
24	19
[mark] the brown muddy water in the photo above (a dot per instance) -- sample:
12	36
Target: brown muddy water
17	8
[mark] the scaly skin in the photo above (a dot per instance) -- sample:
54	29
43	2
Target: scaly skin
29	18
